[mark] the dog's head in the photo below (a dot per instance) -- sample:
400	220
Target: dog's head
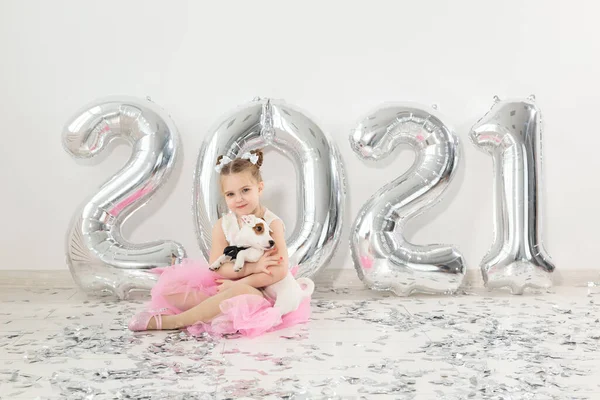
255	233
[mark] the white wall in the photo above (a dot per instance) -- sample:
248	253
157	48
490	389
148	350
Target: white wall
333	59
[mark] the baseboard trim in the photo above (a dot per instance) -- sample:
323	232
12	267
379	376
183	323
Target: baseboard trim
335	277
59	278
570	278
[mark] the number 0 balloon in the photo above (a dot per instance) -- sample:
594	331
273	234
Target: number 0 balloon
99	258
319	174
382	257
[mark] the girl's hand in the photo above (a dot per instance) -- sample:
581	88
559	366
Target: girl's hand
224	284
269	259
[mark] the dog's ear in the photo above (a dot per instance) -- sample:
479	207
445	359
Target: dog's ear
270	229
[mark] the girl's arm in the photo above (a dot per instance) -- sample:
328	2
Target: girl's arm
278	272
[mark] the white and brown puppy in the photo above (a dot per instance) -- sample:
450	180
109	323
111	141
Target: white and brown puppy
249	244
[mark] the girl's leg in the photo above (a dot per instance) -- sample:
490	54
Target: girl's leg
185	301
204	311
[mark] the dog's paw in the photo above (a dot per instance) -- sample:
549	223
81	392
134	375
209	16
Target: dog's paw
214	267
237	268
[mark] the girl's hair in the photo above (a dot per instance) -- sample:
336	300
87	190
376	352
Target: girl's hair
242	164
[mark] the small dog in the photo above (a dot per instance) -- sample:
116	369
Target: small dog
249	244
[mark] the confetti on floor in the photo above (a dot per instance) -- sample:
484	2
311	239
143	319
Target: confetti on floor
359	344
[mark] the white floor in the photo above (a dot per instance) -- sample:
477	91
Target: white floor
56	343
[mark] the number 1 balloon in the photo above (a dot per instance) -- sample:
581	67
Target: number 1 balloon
99	258
511	132
383	258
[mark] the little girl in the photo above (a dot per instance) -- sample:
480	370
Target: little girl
223	302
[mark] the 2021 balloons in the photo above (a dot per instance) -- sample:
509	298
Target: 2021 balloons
100	259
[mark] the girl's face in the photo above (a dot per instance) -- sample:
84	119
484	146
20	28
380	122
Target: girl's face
242	193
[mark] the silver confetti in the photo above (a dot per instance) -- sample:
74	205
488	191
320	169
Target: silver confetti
465	348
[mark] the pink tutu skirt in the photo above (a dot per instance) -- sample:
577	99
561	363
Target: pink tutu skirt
248	315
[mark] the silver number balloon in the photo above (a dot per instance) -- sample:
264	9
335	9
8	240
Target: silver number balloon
266	123
384	260
99	258
511	133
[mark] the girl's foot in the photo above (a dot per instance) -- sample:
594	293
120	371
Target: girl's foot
148	320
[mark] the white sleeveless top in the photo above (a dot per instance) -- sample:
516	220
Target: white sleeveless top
231	227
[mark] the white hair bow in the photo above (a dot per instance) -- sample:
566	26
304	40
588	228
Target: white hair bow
253	158
224	161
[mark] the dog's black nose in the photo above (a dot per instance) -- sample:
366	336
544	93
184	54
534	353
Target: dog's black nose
272	243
